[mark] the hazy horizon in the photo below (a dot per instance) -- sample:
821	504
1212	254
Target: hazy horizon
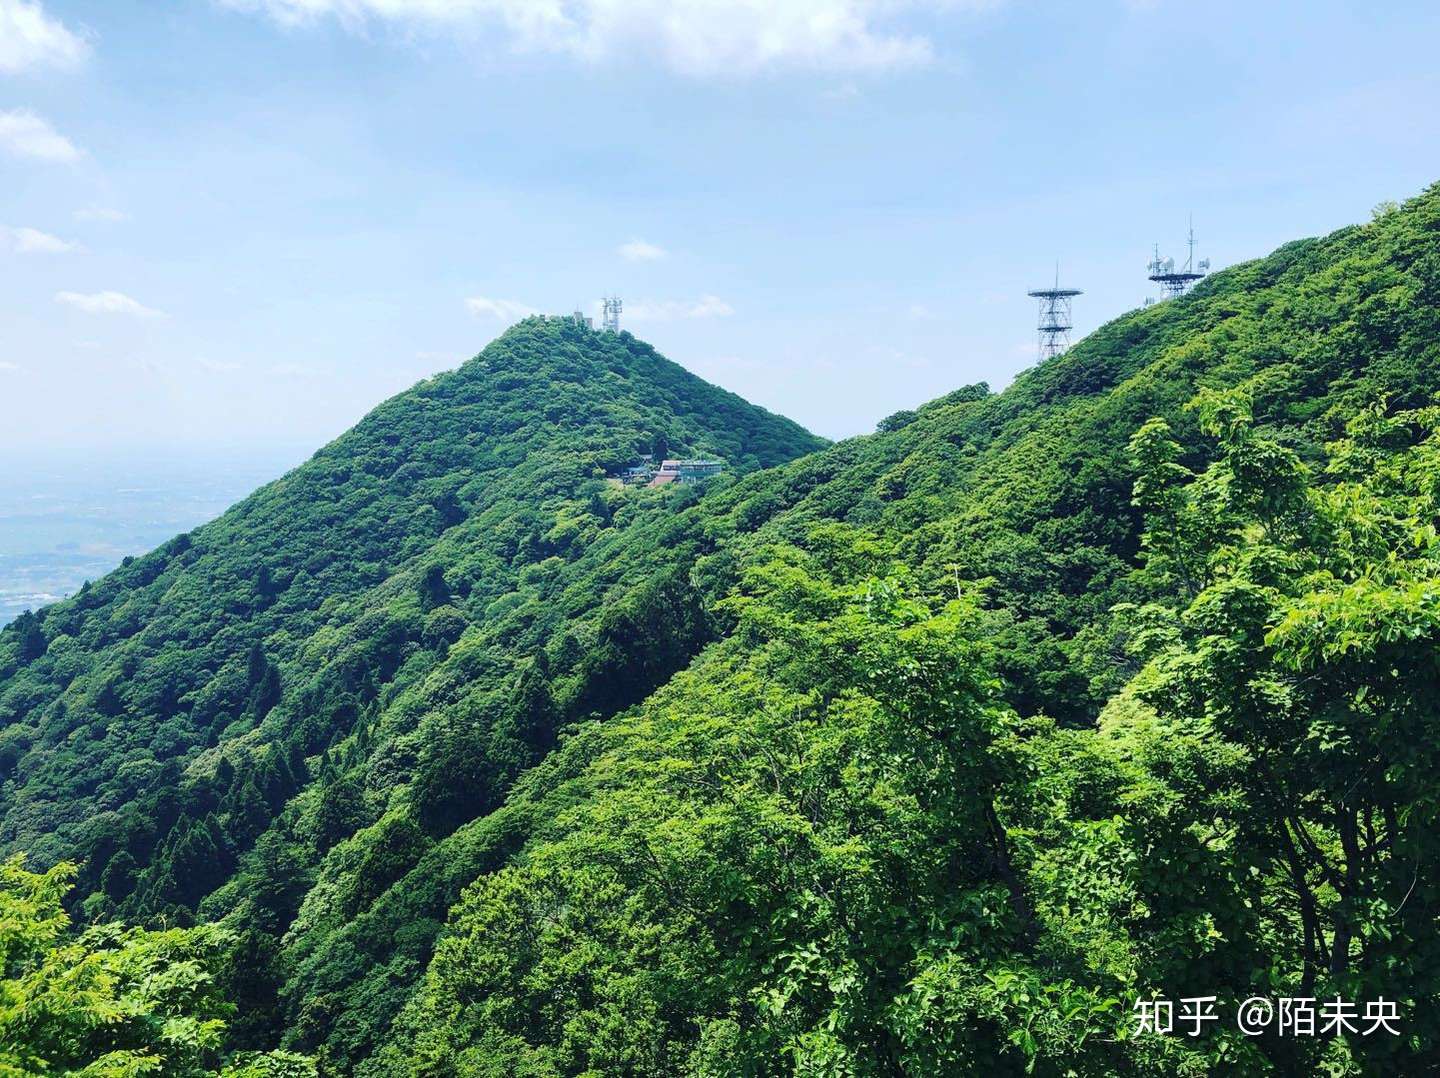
67	516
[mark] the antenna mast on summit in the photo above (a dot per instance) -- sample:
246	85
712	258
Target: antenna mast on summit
610	321
1055	323
1176	282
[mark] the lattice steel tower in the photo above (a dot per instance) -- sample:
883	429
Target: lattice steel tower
1176	281
1054	322
610	323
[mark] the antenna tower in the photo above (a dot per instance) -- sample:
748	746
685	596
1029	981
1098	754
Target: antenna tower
1176	281
1054	322
611	320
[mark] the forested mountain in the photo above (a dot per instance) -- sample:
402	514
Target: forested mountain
183	649
155	725
927	752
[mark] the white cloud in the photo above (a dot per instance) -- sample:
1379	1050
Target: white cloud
709	307
100	213
842	94
31	39
24	134
507	310
292	370
219	366
8	367
670	309
700	38
640	251
894	357
718	367
106	303
31	241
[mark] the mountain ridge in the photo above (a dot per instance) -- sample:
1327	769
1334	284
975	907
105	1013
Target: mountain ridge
450	730
351	547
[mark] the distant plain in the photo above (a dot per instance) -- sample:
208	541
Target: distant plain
71	516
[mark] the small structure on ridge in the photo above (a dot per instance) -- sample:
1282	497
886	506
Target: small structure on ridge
1176	281
1055	322
610	319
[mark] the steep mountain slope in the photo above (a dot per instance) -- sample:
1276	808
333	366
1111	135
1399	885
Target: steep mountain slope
849	809
249	634
1030	493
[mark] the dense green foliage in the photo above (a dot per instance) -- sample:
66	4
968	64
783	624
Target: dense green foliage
111	1002
830	843
157	724
928	752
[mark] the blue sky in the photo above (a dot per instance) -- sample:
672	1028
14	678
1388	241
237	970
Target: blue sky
231	222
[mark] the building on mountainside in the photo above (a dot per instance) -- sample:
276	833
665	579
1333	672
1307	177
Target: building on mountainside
686	472
671	470
636	474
